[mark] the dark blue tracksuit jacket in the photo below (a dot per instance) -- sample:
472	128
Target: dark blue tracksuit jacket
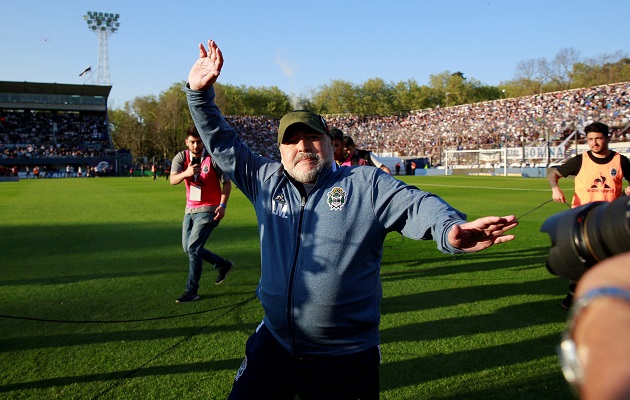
320	254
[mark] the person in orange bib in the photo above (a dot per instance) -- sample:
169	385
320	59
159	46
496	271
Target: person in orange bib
599	175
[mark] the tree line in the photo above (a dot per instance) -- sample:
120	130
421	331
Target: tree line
154	126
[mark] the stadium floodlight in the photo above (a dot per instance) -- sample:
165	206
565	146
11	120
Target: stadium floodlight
103	25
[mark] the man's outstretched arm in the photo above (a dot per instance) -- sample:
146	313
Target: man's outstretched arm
482	233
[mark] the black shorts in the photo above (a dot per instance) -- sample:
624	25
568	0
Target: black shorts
269	371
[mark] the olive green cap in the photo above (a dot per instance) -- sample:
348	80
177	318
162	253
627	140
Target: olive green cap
305	117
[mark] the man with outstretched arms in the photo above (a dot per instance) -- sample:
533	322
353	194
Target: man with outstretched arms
322	229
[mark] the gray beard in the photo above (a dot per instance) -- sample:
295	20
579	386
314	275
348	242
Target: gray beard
307	176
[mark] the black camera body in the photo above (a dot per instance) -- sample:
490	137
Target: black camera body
583	236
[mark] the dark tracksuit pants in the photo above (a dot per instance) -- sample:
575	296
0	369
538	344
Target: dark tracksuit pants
269	371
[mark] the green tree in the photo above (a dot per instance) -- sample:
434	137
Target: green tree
339	97
174	119
411	96
123	126
482	92
531	75
265	101
609	68
132	128
146	109
376	98
451	89
562	67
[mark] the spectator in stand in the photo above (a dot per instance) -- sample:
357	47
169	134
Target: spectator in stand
337	141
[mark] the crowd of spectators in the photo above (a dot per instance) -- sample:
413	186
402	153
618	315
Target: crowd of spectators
513	122
259	133
53	134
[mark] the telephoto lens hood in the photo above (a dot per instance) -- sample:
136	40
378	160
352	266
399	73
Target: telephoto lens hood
586	235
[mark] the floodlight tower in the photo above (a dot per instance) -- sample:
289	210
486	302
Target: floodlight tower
103	24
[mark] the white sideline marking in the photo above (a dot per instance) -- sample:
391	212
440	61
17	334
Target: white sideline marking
482	187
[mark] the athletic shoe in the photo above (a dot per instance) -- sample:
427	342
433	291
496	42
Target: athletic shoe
223	271
187	298
566	302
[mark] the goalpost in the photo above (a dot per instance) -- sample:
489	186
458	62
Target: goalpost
482	158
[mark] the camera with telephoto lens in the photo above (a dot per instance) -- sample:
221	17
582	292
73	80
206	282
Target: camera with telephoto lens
583	236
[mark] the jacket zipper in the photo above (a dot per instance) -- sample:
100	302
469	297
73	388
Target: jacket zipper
290	325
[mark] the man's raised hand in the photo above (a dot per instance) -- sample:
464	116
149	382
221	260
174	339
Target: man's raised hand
207	68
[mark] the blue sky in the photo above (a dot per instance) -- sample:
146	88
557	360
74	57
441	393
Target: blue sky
301	45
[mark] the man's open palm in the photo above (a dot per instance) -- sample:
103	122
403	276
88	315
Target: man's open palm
207	68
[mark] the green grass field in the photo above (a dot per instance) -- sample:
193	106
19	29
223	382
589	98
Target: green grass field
104	257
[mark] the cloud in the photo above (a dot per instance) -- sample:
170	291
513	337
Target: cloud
281	60
288	70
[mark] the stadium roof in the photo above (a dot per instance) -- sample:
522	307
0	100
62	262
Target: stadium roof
54	88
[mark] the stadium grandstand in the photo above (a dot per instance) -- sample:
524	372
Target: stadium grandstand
535	130
56	128
518	133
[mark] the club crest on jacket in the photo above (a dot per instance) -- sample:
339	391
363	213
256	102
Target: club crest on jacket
336	198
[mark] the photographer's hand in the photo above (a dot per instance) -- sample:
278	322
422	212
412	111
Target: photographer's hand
601	332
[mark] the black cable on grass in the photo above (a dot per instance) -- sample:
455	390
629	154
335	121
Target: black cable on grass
402	239
536	208
126	320
517	219
130	373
